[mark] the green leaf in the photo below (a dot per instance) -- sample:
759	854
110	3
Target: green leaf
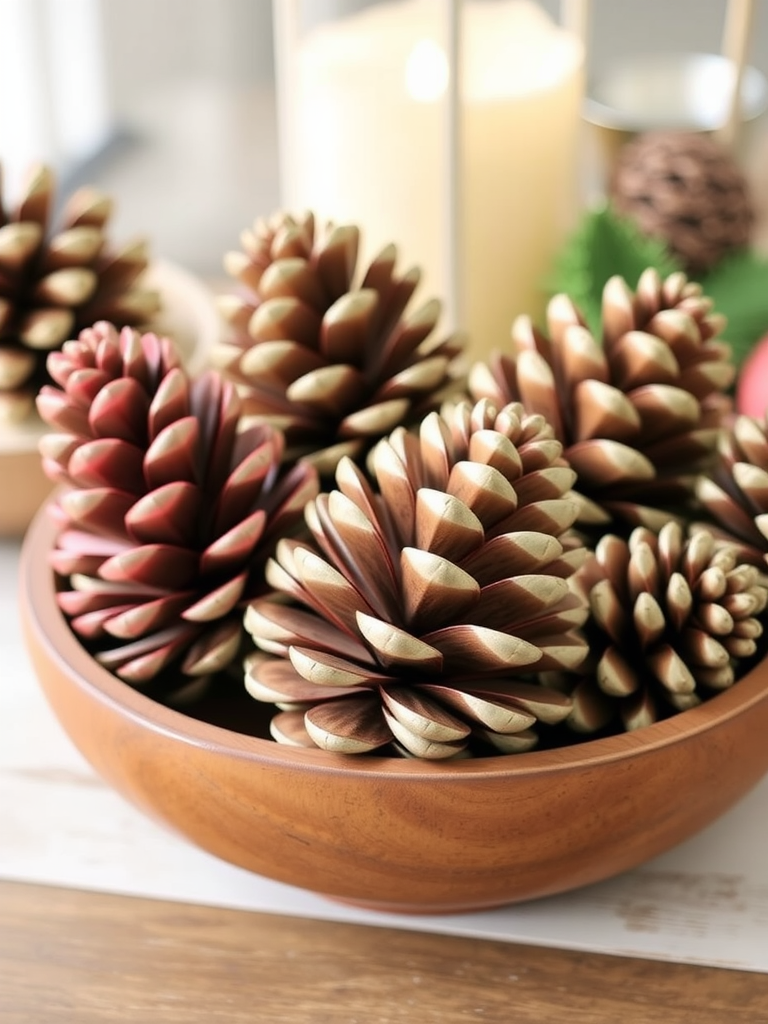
603	245
738	286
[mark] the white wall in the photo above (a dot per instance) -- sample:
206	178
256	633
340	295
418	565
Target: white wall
151	43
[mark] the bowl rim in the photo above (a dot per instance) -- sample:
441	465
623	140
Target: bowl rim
45	624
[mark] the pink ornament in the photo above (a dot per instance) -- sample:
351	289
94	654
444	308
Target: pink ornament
752	386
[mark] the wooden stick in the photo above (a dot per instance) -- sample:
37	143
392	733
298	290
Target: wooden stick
453	197
286	33
574	17
737	29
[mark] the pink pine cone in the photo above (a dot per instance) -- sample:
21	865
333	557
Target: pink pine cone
172	504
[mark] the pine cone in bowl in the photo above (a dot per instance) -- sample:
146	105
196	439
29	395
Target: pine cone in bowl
735	494
55	281
637	414
674	619
334	364
170	507
428	603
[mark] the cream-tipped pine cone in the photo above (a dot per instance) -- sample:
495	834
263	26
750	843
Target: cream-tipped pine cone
735	493
429	603
687	190
55	281
333	362
636	414
672	621
170	510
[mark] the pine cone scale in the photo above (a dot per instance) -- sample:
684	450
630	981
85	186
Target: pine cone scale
72	248
18	242
130	622
426	718
434	589
321	668
168	515
45	329
348	727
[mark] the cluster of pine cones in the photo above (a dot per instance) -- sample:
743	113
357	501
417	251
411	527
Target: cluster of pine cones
567	542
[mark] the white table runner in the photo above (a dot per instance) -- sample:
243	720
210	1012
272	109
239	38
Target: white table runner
705	902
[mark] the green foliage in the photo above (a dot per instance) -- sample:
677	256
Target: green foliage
738	286
604	245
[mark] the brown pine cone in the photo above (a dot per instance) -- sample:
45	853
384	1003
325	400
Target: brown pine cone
672	621
171	509
735	493
636	415
334	364
431	602
56	281
685	189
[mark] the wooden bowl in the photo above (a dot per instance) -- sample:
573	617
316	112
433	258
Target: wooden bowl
188	313
389	833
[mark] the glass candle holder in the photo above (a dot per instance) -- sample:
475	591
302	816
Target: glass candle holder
449	128
689	92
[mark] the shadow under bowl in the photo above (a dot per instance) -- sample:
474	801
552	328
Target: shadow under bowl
389	833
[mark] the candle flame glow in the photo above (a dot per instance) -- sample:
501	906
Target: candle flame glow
426	72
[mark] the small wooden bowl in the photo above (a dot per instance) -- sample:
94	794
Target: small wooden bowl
188	313
388	833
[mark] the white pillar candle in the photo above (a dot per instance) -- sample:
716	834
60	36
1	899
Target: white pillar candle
369	145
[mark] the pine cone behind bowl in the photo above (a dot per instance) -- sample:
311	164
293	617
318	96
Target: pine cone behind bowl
334	364
171	509
55	281
685	189
673	620
637	415
431	601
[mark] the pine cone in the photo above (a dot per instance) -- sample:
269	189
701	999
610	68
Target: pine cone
53	283
736	492
685	189
334	365
636	415
672	621
172	510
430	602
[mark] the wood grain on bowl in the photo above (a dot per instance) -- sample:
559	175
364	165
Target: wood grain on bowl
390	833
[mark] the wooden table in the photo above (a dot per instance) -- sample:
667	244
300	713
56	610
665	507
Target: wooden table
71	956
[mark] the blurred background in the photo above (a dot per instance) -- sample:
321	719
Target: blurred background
169	105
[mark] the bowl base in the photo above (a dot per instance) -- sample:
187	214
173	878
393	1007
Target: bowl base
421	909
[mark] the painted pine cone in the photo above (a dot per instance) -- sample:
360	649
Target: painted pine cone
431	601
735	494
685	189
170	509
334	364
55	281
672	620
636	414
